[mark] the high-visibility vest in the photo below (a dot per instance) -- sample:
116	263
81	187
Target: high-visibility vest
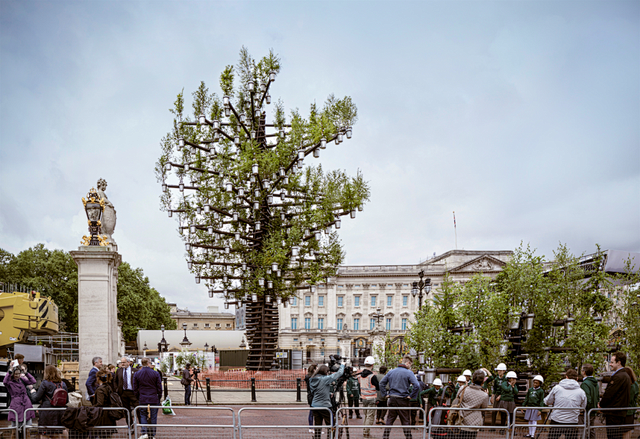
367	389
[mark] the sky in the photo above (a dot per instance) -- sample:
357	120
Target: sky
523	117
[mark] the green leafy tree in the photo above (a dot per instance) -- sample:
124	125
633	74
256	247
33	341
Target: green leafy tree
257	223
54	273
51	272
627	314
387	354
140	305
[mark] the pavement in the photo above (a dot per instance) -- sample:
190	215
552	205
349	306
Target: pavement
232	396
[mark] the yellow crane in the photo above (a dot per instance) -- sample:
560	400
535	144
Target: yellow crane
23	314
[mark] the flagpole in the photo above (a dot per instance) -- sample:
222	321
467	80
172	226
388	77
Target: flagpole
455	228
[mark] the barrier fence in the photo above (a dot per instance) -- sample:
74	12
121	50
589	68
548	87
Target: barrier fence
628	428
9	430
464	429
185	422
94	424
294	423
257	423
554	422
396	431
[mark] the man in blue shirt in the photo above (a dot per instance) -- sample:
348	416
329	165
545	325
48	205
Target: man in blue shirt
91	380
399	380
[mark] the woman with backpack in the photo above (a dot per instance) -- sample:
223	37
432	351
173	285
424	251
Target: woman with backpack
16	382
310	373
103	397
52	393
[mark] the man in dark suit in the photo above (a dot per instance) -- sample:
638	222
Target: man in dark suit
147	386
91	379
616	395
124	385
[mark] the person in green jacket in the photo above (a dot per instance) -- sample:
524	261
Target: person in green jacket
592	390
534	398
507	397
353	395
501	369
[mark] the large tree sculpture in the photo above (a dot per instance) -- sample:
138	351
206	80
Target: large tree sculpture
257	223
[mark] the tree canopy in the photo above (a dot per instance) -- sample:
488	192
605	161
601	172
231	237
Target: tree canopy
468	324
54	273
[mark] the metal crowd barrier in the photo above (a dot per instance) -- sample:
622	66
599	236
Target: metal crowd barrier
186	422
440	429
395	431
629	429
293	423
11	430
114	431
547	429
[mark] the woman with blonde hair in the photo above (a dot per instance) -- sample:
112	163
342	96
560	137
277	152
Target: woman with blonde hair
50	418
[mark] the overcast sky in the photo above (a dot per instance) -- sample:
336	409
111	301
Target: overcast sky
522	117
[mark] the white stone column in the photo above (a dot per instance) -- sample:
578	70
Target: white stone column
97	306
377	343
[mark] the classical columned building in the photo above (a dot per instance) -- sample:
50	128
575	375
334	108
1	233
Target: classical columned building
340	316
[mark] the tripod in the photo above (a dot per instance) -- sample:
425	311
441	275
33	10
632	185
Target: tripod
197	386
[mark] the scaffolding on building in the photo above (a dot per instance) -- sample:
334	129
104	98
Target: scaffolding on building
64	345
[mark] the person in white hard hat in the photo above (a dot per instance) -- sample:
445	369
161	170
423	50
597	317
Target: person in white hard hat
467	374
369	387
460	383
534	398
501	369
508	393
432	394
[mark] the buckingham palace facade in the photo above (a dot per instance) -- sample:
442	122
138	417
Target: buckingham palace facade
351	304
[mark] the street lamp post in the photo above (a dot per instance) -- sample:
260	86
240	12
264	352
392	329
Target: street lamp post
420	286
378	316
185	343
162	346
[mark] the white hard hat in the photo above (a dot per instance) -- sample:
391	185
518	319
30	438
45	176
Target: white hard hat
501	366
369	361
462	379
538	378
437	382
511	374
467	373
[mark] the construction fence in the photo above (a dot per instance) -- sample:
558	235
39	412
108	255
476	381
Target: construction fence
299	422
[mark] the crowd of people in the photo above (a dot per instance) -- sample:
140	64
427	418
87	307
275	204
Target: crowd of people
402	391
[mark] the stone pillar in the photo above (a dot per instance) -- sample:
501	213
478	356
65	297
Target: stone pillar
377	344
97	306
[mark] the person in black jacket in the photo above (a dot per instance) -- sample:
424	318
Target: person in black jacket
186	382
50	418
103	396
616	395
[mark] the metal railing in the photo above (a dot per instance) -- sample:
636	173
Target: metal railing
254	423
12	430
439	427
102	427
629	428
185	422
550	428
395	431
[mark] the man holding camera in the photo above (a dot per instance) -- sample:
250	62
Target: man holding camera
186	382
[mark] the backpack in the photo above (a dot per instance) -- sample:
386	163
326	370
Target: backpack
116	401
59	397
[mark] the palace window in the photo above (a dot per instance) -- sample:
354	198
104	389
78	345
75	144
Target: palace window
320	323
356	324
294	323
356	301
404	324
389	300
340	300
339	324
373	300
307	323
320	300
388	326
307	300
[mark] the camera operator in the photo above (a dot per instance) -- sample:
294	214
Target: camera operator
186	382
320	385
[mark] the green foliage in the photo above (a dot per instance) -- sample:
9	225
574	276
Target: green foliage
54	273
387	354
186	357
51	272
139	305
262	217
627	290
481	309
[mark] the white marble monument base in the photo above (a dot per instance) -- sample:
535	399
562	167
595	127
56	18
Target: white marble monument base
97	306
